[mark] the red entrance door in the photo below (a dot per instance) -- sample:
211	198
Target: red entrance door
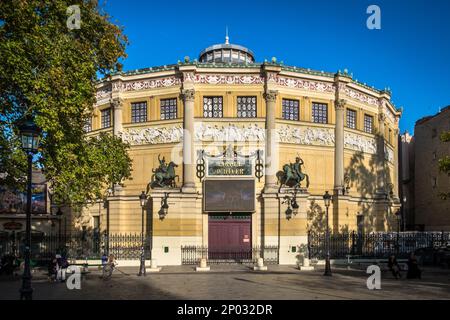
229	236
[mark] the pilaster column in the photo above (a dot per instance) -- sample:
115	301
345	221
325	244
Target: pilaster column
339	145
117	106
188	96
396	166
271	154
381	158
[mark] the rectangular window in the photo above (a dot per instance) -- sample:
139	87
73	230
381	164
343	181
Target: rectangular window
88	125
212	107
319	112
351	119
106	118
390	135
138	112
368	123
246	107
168	109
290	109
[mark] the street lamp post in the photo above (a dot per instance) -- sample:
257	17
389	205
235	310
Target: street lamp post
143	201
404	213
29	136
327	200
398	214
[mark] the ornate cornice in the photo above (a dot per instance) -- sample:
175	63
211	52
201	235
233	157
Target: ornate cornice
362	97
146	84
271	95
188	94
227	79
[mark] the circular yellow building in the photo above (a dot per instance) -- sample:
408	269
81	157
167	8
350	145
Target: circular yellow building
235	155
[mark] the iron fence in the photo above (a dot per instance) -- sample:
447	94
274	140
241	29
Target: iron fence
374	245
78	246
191	255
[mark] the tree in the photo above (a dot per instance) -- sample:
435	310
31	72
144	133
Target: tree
105	164
49	71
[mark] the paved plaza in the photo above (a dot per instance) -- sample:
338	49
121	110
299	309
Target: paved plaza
236	283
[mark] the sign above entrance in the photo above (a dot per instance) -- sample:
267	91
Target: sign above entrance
230	195
230	167
229	163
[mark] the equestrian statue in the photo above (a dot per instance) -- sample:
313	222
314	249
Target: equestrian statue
164	176
292	175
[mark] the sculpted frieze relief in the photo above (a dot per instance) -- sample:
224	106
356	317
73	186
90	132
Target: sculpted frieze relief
306	135
153	135
229	132
360	143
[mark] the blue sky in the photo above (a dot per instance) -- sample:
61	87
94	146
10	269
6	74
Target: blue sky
410	54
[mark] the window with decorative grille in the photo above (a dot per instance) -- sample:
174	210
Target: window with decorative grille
168	109
319	112
290	109
106	118
368	123
351	119
138	112
212	107
246	107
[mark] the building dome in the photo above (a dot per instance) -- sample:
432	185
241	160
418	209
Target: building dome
227	53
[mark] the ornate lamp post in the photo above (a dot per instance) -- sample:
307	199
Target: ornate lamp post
327	200
404	213
143	200
29	135
164	207
399	217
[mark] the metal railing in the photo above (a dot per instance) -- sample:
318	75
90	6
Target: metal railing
191	255
78	246
374	245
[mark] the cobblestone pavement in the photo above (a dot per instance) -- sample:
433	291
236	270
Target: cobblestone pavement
235	283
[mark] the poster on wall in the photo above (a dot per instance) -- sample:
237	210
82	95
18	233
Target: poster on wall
13	201
231	195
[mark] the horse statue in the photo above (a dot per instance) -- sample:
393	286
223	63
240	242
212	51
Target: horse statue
164	176
292	175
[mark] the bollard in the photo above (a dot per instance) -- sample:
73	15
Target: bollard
203	266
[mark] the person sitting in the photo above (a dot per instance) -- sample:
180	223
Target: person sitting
413	268
394	267
61	267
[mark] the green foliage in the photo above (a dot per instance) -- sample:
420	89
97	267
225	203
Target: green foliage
50	72
104	162
444	163
13	162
